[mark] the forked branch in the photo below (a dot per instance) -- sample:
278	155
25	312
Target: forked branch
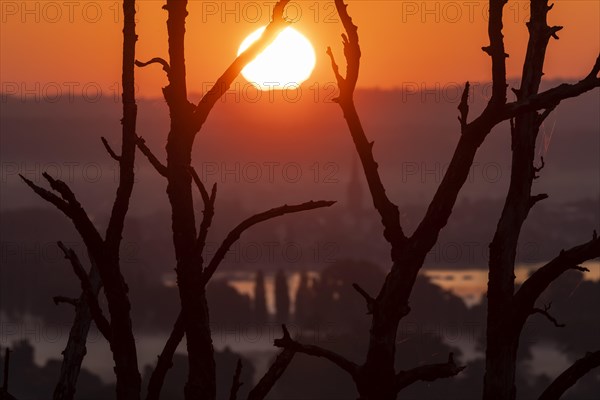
368	298
209	209
352	54
90	297
286	342
277	24
235	234
427	373
533	287
277	368
160	167
68	204
546	314
390	216
109	149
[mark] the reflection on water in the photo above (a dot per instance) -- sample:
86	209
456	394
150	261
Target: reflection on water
257	344
468	284
471	285
49	340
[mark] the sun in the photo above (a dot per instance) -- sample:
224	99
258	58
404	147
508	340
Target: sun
286	62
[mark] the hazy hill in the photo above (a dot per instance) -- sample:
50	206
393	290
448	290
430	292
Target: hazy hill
289	146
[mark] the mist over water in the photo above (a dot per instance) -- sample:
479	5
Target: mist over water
273	152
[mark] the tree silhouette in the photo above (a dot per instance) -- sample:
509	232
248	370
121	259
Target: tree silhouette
4	394
377	378
103	251
570	376
260	301
282	297
192	272
303	301
508	311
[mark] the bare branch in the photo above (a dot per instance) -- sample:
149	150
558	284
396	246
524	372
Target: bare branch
109	149
286	342
550	98
200	185
62	188
236	384
390	216
101	322
554	30
67	300
440	207
75	349
595	70
497	53
116	224
427	373
208	213
160	168
463	108
517	93
352	54
537	198
155	60
533	287
336	70
475	132
507	311
543	164
69	205
546	314
277	368
370	300
542	116
165	359
47	195
570	376
235	234
277	24
209	210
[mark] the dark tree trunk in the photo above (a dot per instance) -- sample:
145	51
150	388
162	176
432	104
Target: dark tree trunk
76	350
201	371
504	319
501	356
165	360
104	252
186	121
122	341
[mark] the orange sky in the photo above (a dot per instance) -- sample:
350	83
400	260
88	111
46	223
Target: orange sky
76	44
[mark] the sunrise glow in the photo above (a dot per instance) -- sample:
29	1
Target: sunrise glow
287	62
